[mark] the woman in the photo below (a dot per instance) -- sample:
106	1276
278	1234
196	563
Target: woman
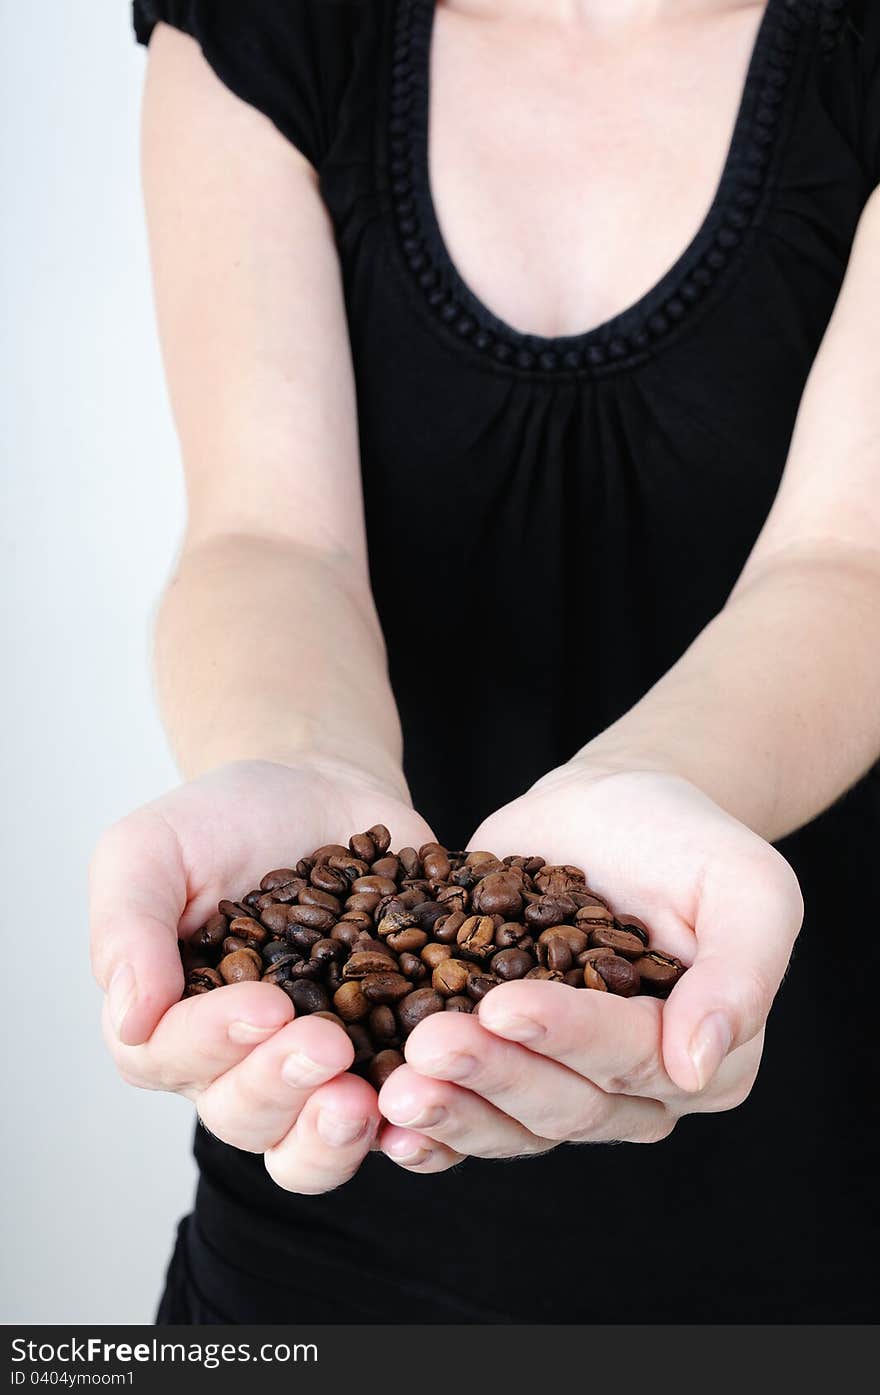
543	398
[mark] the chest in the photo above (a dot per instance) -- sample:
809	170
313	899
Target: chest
569	170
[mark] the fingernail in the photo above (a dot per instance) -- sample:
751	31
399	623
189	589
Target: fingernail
301	1071
247	1033
120	993
710	1043
412	1159
457	1067
524	1029
339	1132
428	1118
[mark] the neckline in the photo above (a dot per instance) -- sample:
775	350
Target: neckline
634	332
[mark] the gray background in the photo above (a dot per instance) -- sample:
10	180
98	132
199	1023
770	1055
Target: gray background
95	1173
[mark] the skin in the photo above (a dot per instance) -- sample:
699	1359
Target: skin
271	662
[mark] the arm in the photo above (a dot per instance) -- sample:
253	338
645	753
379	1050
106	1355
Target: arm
773	709
268	644
768	717
271	661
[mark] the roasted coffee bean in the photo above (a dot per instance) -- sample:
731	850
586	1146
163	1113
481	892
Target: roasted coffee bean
382	1023
233	943
278	952
350	866
621	941
412	966
621	977
366	961
308	996
434	954
589	956
233	909
383	885
407	941
212	933
592	916
243	966
510	934
362	1043
358	920
276	919
345	932
551	975
409	863
366	901
427	913
634	926
279	974
326	950
435	861
454	898
554	878
381	838
326	878
478	985
387	867
555	953
332	975
385	987
574	978
383	1064
311	896
313	917
249	930
477	935
277	878
305	968
367	944
362	845
545	912
201	981
450	977
511	964
459	1004
303	937
447	927
289	892
658	973
499	893
416	1006
576	939
350	1002
393	922
593	979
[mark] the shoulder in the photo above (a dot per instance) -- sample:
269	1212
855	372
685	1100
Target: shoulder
294	60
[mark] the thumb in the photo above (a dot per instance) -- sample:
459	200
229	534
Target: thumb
137	894
748	918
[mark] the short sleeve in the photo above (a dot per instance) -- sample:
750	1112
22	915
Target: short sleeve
291	59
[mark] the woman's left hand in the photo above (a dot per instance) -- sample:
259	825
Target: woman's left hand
541	1064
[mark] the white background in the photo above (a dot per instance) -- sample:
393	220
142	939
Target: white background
95	1174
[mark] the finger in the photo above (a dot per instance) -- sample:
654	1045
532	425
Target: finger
550	1100
253	1105
446	1113
329	1140
614	1042
747	921
200	1038
137	893
415	1152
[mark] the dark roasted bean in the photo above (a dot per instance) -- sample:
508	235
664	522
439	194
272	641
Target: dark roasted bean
416	1006
658	973
385	987
458	1003
621	941
621	977
383	1064
511	964
308	996
201	981
243	966
350	1002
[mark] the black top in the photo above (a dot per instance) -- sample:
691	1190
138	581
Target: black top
591	495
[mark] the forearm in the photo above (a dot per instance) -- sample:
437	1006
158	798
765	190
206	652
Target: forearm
269	650
774	710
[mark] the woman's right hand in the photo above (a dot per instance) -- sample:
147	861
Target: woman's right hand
260	1080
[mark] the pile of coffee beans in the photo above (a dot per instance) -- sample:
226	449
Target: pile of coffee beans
377	941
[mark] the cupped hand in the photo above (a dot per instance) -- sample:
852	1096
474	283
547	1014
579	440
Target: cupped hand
260	1080
540	1063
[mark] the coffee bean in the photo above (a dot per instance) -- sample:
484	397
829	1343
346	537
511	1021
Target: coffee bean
350	1001
555	953
277	878
383	1064
382	1023
593	979
394	921
658	973
412	966
576	939
635	926
511	964
364	962
385	987
330	1017
324	854
324	951
559	878
417	1006
477	935
499	893
409	863
574	978
362	1043
590	916
621	977
248	930
384	885
326	878
381	838
201	981
450	977
547	911
212	933
311	896
408	941
435	861
478	985
303	937
459	1004
243	966
308	996
432	955
363	846
312	917
621	941
233	909
350	866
